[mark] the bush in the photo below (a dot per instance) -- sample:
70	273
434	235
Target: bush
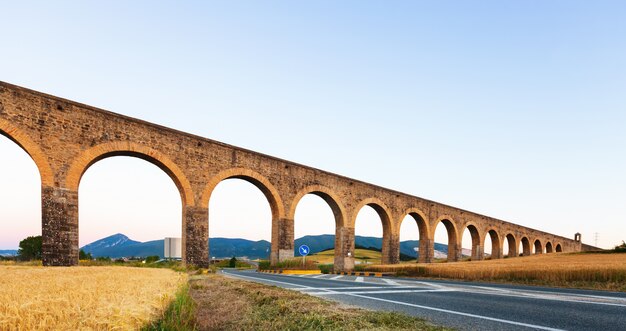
325	268
621	248
84	256
233	262
30	249
264	265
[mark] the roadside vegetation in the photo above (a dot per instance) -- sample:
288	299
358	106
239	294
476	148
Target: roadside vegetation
600	271
228	304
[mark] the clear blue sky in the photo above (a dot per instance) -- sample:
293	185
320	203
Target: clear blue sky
514	109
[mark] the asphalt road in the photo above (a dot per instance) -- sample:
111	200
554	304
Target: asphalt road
462	305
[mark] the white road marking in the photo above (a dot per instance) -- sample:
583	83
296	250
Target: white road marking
336	277
458	313
370	288
318	276
390	282
359	280
407	304
377	292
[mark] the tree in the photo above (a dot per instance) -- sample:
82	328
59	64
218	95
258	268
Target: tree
621	248
84	256
30	249
233	262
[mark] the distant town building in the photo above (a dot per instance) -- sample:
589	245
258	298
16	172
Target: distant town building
173	248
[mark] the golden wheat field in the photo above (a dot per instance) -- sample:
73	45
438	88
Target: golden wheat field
599	271
84	298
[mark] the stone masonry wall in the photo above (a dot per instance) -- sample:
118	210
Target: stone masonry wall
65	138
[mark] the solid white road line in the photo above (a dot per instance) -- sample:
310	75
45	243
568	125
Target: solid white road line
539	327
376	292
370	288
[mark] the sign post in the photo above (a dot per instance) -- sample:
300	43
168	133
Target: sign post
304	251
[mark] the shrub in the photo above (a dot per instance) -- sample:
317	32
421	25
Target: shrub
30	249
325	268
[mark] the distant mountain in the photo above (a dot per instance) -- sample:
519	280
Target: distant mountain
110	245
119	245
8	252
226	247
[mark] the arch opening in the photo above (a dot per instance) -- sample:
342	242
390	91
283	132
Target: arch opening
549	248
20	196
125	201
315	223
471	243
445	231
241	221
371	229
537	247
510	243
413	235
525	247
493	250
559	249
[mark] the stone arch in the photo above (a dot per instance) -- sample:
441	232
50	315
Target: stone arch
256	179
538	247
421	220
125	148
425	254
477	243
549	248
327	195
388	228
454	253
282	229
31	148
513	246
559	248
333	201
525	246
496	249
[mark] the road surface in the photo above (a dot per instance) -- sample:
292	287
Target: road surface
462	305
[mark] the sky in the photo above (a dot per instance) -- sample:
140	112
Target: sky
512	109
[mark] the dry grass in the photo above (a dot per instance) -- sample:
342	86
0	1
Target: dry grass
84	298
228	304
594	271
360	255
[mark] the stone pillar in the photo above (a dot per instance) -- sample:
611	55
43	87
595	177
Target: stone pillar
344	249
282	240
196	236
513	249
426	251
454	251
392	254
59	226
497	252
478	253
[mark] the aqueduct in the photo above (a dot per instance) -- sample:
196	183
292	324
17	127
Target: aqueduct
64	138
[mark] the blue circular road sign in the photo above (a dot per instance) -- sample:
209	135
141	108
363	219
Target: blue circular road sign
304	250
